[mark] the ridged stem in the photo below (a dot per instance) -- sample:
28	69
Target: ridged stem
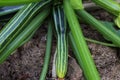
47	53
99	26
88	66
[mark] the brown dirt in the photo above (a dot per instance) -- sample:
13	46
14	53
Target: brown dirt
26	63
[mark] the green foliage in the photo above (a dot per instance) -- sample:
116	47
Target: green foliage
31	15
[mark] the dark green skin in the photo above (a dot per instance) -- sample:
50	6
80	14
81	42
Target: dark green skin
19	22
33	26
62	48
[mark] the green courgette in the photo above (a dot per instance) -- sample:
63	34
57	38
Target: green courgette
33	26
19	22
62	47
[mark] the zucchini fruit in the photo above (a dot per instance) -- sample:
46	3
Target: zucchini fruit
62	47
19	22
29	29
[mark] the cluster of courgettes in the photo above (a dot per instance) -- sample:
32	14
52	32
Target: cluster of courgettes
64	18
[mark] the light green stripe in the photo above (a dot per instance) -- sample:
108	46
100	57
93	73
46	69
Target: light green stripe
61	61
4	34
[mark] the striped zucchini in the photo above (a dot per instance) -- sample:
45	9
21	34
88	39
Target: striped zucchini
19	22
30	28
62	48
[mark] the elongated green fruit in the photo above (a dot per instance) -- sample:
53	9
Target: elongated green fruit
10	9
34	25
14	27
16	2
99	26
48	51
62	49
110	5
88	66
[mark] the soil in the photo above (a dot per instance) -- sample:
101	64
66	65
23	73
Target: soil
27	61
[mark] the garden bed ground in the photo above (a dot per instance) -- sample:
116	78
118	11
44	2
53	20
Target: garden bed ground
26	63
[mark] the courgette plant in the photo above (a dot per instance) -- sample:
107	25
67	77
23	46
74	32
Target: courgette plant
62	17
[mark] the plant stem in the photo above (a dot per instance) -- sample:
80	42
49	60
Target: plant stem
97	42
92	6
47	54
88	66
99	26
111	6
101	43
